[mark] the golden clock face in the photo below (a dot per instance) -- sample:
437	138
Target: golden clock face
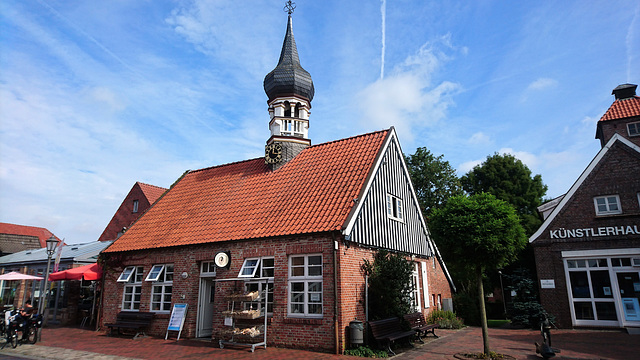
273	153
221	259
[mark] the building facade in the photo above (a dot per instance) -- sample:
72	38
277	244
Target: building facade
588	248
296	226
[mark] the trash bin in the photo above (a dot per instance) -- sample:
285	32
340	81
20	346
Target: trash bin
356	328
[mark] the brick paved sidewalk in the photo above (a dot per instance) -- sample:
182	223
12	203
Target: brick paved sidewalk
75	343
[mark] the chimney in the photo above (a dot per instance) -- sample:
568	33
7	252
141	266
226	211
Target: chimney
624	91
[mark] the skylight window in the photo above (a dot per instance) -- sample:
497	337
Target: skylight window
249	267
126	274
155	272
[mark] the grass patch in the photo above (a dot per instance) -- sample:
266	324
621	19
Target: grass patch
497	323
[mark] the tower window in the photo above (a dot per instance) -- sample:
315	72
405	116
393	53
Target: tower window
287	109
297	113
634	129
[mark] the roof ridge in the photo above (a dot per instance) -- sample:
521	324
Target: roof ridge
349	138
156	186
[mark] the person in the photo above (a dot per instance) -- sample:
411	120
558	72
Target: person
27	309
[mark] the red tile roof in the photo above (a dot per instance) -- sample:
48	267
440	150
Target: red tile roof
314	192
41	233
621	109
151	192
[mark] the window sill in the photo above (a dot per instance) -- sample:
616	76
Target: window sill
303	321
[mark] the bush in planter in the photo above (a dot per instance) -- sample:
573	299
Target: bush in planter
445	319
365	351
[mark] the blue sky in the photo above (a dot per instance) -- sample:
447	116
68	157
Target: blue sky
96	95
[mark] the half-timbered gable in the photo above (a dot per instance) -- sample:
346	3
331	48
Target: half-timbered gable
387	214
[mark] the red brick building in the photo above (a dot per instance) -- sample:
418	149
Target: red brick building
295	226
137	201
588	248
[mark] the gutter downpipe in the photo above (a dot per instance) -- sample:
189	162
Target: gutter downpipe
335	292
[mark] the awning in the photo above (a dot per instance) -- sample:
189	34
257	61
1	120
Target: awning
88	272
14	275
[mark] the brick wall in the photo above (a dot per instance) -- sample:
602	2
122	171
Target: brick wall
284	331
125	216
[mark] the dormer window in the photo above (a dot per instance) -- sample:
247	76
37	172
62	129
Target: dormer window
607	205
394	208
634	129
135	206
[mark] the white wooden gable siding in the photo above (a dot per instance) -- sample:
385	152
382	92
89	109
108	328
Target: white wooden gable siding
370	226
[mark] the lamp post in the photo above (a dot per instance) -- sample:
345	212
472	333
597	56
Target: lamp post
52	243
504	301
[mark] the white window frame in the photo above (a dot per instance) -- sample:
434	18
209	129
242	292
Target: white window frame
251	285
161	289
307	281
155	273
132	287
395	209
636	128
248	265
415	288
126	274
607	204
206	267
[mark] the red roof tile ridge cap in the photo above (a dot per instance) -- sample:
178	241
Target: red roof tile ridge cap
350	138
154	186
223	165
616	102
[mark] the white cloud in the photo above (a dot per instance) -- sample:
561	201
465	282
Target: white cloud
527	158
479	138
465	167
405	98
542	84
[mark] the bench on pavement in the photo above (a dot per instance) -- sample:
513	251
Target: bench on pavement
131	320
419	325
387	331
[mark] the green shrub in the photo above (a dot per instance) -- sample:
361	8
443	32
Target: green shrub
365	351
445	319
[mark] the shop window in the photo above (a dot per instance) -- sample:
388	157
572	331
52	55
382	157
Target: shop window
162	288
607	205
619	262
132	287
265	269
394	207
305	286
584	310
579	284
606	311
601	284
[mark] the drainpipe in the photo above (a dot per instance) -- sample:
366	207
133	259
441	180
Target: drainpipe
335	292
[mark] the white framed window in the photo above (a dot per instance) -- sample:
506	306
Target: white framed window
126	274
305	286
394	207
249	268
633	129
162	288
135	206
132	287
415	289
607	205
208	268
265	270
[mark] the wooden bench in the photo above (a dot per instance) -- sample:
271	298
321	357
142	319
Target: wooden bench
388	331
134	320
419	325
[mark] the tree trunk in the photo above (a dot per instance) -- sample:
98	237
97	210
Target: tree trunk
483	312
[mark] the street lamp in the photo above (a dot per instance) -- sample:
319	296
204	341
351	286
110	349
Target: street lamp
504	301
52	243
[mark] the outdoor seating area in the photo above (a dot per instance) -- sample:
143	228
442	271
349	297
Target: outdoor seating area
387	331
131	320
418	324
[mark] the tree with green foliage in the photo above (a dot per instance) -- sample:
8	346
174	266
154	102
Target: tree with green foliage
510	180
389	285
482	233
433	178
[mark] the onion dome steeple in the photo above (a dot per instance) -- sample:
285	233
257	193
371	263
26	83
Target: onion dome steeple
290	91
289	78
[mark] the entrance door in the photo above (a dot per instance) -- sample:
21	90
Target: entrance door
629	284
205	307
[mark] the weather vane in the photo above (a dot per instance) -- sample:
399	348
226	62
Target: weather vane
289	7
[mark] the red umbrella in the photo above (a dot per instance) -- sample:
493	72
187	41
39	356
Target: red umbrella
89	272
